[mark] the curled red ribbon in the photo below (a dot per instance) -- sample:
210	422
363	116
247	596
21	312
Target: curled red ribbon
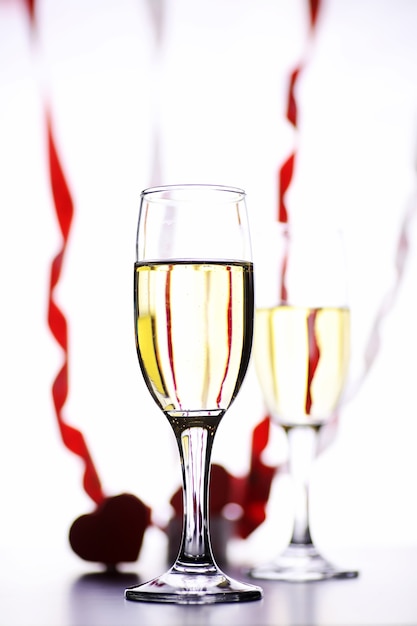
261	476
64	209
30	7
286	171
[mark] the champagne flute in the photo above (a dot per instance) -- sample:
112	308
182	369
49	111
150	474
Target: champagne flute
193	300
301	351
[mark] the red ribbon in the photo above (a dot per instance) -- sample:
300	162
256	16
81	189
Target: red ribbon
30	7
64	209
260	476
286	171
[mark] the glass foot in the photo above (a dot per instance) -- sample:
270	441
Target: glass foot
301	563
200	587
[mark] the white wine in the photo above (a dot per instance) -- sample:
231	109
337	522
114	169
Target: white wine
301	358
194	327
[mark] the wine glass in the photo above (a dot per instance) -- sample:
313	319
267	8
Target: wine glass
301	353
193	301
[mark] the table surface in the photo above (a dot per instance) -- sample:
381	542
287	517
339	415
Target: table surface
51	594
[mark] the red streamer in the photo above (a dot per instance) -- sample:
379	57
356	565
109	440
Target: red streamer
261	476
286	171
71	437
285	174
30	7
64	209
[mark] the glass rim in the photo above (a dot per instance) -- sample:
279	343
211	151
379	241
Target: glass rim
149	191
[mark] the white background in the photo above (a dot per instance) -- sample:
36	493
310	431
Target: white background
209	97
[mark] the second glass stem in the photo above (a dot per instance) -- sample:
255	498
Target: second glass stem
302	442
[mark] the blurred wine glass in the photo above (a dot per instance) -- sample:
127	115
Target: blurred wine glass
301	350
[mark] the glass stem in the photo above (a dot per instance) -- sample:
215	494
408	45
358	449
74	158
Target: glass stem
302	442
195	442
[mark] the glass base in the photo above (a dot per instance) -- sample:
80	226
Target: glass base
182	587
301	563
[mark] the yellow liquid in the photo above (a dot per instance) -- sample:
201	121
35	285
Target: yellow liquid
301	357
194	326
